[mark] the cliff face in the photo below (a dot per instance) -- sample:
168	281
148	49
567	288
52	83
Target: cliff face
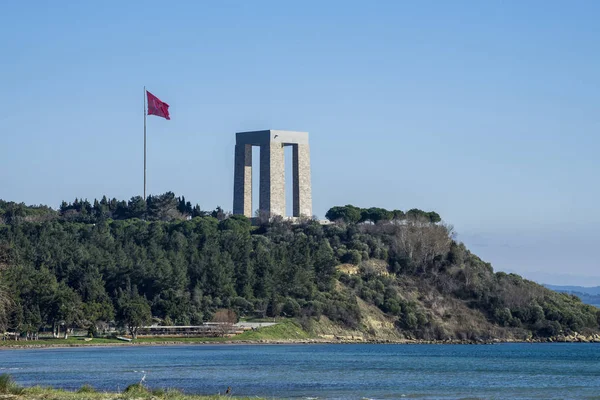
397	279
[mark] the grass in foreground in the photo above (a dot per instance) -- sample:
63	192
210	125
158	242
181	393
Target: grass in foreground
10	390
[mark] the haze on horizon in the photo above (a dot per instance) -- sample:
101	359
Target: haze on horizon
484	112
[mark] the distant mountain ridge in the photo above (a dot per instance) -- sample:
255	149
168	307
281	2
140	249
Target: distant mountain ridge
589	295
593	290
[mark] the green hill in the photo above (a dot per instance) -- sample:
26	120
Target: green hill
374	273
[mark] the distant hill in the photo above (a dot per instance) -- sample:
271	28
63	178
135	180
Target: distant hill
589	295
592	291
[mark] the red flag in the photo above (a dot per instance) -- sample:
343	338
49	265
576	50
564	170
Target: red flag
157	107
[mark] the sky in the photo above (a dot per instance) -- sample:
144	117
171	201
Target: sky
486	112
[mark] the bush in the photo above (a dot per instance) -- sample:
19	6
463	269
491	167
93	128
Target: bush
8	385
548	328
242	305
503	316
410	321
93	331
86	389
290	308
343	310
136	388
352	257
315	308
391	306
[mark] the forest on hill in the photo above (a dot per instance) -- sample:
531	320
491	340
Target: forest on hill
90	263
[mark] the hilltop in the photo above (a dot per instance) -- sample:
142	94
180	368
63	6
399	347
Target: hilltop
372	273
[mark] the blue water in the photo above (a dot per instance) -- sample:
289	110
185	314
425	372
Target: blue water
517	371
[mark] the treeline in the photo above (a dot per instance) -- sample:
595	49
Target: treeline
11	212
164	207
354	215
65	272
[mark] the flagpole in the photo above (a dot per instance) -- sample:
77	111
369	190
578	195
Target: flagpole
144	143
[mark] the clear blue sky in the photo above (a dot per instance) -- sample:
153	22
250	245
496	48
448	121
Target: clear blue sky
487	112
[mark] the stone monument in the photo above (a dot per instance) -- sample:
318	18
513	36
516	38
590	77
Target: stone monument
272	172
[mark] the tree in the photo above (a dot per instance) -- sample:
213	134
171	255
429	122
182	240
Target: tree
348	214
137	207
398	215
197	212
290	308
219	214
36	293
68	307
5	298
376	214
224	320
419	243
414	214
422	216
239	223
133	311
14	212
434	217
5	302
184	207
352	257
163	207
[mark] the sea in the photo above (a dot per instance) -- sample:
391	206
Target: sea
323	371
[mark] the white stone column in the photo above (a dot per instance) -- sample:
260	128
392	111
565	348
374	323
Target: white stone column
302	204
242	180
272	179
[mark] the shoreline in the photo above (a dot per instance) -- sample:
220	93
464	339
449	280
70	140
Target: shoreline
32	345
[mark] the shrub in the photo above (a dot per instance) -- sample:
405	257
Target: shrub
291	308
314	308
352	257
391	306
548	328
136	388
86	389
409	320
8	385
502	316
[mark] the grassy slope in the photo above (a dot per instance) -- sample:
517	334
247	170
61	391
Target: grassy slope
287	329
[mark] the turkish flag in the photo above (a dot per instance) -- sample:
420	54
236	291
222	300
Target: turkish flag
157	107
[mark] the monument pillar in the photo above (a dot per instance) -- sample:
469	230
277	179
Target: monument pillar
302	204
242	180
272	173
272	179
